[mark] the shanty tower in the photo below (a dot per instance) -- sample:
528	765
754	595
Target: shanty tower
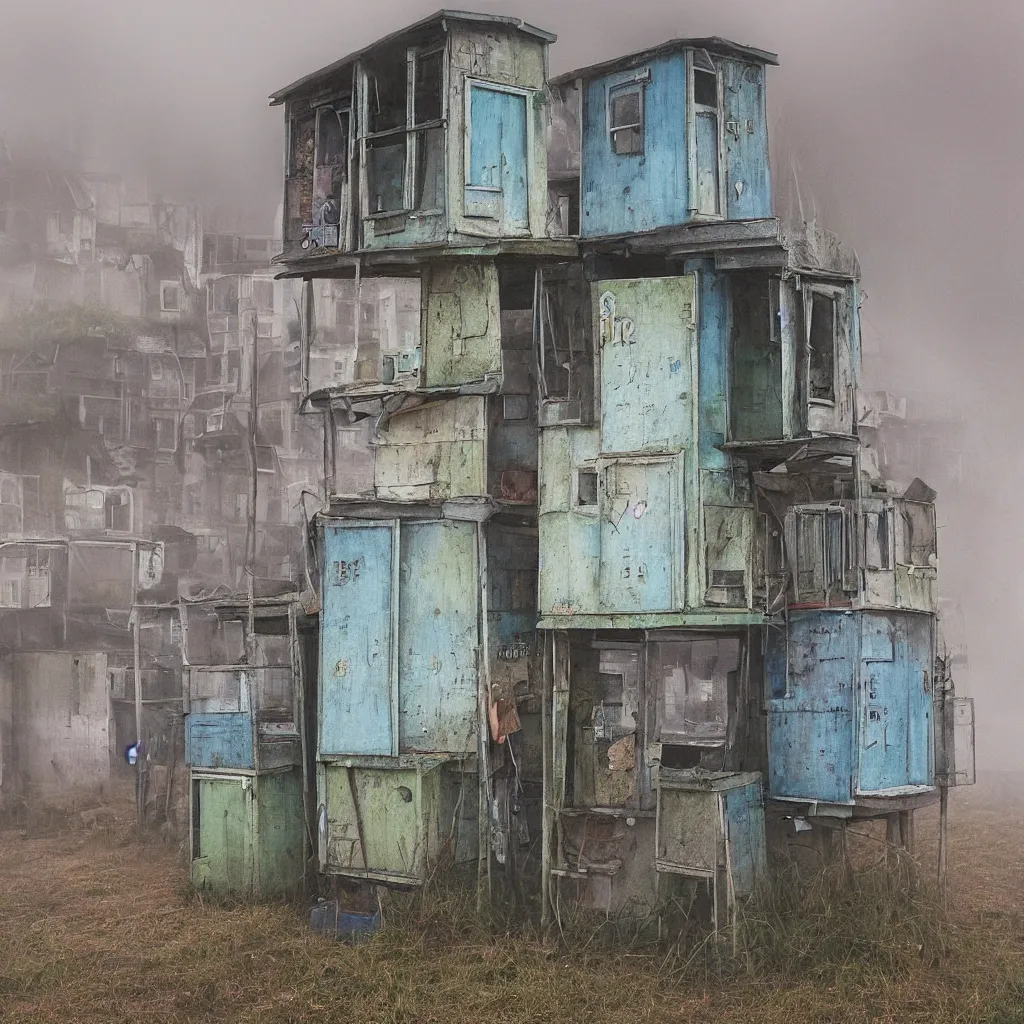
735	610
416	214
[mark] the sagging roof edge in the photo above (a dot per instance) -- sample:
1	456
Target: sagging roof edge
713	44
437	18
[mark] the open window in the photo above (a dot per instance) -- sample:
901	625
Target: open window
919	524
405	132
705	142
877	540
299	181
821	345
364	333
329	205
626	118
585	493
564	349
693	680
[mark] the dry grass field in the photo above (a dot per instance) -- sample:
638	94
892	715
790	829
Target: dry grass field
96	928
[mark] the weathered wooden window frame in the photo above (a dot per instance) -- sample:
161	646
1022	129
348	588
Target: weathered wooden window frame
692	107
338	109
578	506
834	295
410	130
668	737
636	83
469	84
164	286
908	532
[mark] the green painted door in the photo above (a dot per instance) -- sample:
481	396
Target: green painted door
224	849
645	328
387	806
438	637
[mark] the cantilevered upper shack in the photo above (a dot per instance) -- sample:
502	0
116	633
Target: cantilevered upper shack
432	138
664	137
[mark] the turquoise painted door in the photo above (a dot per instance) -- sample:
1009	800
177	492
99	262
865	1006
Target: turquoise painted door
355	641
438	637
224	854
497	182
895	702
645	328
641	538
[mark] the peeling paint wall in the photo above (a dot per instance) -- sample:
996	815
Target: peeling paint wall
61	716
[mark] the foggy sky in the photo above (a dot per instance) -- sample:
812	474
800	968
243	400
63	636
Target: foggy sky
902	118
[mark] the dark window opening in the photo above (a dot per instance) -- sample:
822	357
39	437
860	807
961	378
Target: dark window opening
586	488
821	339
330	174
169	298
676	756
428	101
386	85
626	119
877	547
705	88
562	324
117	511
299	186
920	524
429	193
694	679
385	172
835	550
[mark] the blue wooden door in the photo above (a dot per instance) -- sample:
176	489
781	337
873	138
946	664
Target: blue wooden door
498	174
640	546
355	641
646	334
895	702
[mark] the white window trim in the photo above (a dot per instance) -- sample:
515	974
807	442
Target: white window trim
638	82
691	142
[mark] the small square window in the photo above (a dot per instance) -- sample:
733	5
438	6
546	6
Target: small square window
705	88
626	119
170	296
586	488
516	407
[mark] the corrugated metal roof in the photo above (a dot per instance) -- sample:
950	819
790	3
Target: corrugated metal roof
434	19
713	44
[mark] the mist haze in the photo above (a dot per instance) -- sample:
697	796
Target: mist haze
897	122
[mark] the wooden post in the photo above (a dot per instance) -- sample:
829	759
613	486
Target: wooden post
142	753
943	839
892	839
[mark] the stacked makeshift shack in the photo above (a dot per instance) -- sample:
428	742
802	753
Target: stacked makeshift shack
605	590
